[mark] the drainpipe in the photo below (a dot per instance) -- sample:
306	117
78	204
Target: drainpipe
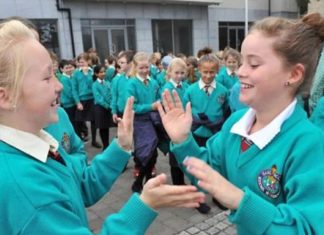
68	10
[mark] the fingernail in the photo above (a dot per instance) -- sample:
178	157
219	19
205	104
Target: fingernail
185	160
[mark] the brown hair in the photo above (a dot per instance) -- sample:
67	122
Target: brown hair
299	41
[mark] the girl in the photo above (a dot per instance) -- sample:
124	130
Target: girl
119	85
266	164
82	93
42	184
228	76
193	74
102	97
176	72
145	93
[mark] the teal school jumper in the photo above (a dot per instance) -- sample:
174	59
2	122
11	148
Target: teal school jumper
67	99
37	192
283	183
144	96
102	93
64	133
317	116
212	105
82	85
234	98
110	72
181	91
161	80
119	93
226	79
154	71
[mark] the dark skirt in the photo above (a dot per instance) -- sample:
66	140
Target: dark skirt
87	113
102	117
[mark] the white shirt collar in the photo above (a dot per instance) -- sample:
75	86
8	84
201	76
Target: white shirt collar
66	75
142	79
100	81
35	146
174	83
262	137
202	84
229	72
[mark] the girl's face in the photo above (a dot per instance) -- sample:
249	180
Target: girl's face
262	73
38	102
67	69
123	64
83	63
208	71
142	68
231	63
101	75
177	73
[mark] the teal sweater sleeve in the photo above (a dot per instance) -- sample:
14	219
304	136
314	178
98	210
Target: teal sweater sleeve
317	116
114	94
134	218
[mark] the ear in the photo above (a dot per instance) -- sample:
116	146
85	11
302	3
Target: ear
297	75
5	101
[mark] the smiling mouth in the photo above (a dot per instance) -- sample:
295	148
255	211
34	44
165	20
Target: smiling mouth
246	85
55	102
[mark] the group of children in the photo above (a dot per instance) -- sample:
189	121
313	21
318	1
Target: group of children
244	171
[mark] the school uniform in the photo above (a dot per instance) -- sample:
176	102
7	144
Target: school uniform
66	100
154	71
65	135
317	116
145	93
110	73
39	188
281	173
209	106
177	175
103	119
161	80
227	78
234	98
102	98
82	93
119	94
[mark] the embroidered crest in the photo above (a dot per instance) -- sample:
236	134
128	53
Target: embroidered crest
65	142
221	99
269	182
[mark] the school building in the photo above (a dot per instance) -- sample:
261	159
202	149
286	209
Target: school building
69	27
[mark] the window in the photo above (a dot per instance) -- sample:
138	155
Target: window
108	36
48	34
231	34
172	35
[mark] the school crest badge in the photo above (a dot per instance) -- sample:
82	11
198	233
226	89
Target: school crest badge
269	182
66	143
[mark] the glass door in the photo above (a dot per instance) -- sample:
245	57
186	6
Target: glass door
109	41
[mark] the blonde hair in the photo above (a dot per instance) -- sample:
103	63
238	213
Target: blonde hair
12	65
176	62
139	56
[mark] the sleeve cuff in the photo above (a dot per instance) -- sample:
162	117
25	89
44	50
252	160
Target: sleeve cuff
254	213
135	210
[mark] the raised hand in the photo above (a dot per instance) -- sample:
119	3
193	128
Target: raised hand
210	180
157	194
176	121
125	126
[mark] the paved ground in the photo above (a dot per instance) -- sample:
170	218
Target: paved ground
180	221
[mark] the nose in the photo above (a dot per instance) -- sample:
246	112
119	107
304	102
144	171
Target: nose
58	85
241	72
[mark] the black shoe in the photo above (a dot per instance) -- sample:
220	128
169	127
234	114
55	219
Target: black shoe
203	208
96	145
220	206
137	187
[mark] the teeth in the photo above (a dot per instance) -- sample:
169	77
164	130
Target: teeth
246	86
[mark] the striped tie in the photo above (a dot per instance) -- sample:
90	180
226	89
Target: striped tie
245	144
56	156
